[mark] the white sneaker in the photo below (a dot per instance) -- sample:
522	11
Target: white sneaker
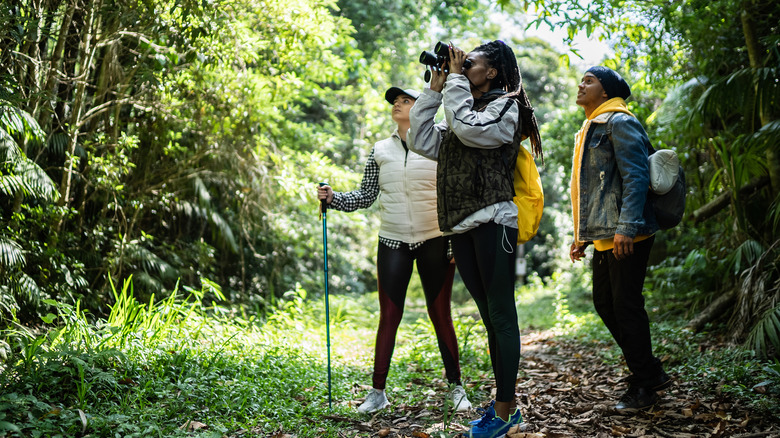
375	400
459	400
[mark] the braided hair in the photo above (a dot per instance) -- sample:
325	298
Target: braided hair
501	57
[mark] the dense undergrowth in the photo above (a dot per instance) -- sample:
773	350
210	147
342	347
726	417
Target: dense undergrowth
185	367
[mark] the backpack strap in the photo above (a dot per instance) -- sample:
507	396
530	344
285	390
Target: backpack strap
609	133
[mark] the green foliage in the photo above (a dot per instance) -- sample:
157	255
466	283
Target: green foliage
765	332
20	176
734	372
176	141
25	187
757	298
182	137
119	374
683	281
150	368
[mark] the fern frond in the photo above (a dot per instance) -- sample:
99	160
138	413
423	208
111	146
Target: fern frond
225	233
9	150
768	135
28	179
143	280
767	81
748	92
766	332
220	227
746	254
138	255
11	254
8	304
676	106
27	290
202	191
10	185
58	144
759	294
20	124
11	120
37	182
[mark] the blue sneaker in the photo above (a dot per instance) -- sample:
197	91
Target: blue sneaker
491	426
489	411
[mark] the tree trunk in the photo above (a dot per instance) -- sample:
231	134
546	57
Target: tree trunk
54	66
87	52
716	308
29	80
713	207
755	51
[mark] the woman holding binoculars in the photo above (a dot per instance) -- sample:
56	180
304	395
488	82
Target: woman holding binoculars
487	115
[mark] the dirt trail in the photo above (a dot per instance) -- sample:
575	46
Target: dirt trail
568	392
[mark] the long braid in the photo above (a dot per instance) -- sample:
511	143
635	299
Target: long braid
501	57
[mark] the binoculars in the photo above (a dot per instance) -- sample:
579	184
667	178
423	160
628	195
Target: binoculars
437	58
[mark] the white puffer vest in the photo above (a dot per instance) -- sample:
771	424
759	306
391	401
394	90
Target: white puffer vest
407	200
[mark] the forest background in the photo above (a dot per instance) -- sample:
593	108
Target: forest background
179	143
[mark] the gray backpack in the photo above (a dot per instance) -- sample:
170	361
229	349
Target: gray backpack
667	185
667	188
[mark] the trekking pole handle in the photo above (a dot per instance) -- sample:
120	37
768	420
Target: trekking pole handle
324	202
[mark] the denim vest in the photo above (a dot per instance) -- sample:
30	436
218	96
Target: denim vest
614	180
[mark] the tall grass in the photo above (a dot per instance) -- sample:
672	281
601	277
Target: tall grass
168	368
183	367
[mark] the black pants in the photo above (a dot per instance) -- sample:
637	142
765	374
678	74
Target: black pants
486	261
394	270
617	296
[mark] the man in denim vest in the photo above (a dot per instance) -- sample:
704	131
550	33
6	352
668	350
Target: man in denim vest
610	179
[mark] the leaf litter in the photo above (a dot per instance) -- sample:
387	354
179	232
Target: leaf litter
565	390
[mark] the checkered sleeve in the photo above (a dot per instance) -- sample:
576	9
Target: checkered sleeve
365	195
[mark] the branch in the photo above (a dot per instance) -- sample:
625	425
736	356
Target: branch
713	207
714	310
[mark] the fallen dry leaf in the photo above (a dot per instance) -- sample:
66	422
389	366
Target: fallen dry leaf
83	418
620	430
517	432
192	426
567	390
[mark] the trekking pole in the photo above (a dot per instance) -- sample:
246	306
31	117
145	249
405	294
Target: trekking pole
324	211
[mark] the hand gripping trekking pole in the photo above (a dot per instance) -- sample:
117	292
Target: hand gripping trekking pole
324	211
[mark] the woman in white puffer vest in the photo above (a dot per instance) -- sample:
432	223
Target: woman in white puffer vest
409	231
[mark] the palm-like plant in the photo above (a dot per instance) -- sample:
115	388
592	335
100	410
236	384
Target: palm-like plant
733	120
744	102
21	180
758	308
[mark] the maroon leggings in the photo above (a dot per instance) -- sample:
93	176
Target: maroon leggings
394	270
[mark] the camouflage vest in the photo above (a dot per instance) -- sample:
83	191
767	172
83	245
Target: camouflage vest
469	179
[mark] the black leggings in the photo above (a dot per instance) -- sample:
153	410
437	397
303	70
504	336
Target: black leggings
486	262
394	270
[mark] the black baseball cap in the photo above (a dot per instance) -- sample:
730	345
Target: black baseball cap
394	92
